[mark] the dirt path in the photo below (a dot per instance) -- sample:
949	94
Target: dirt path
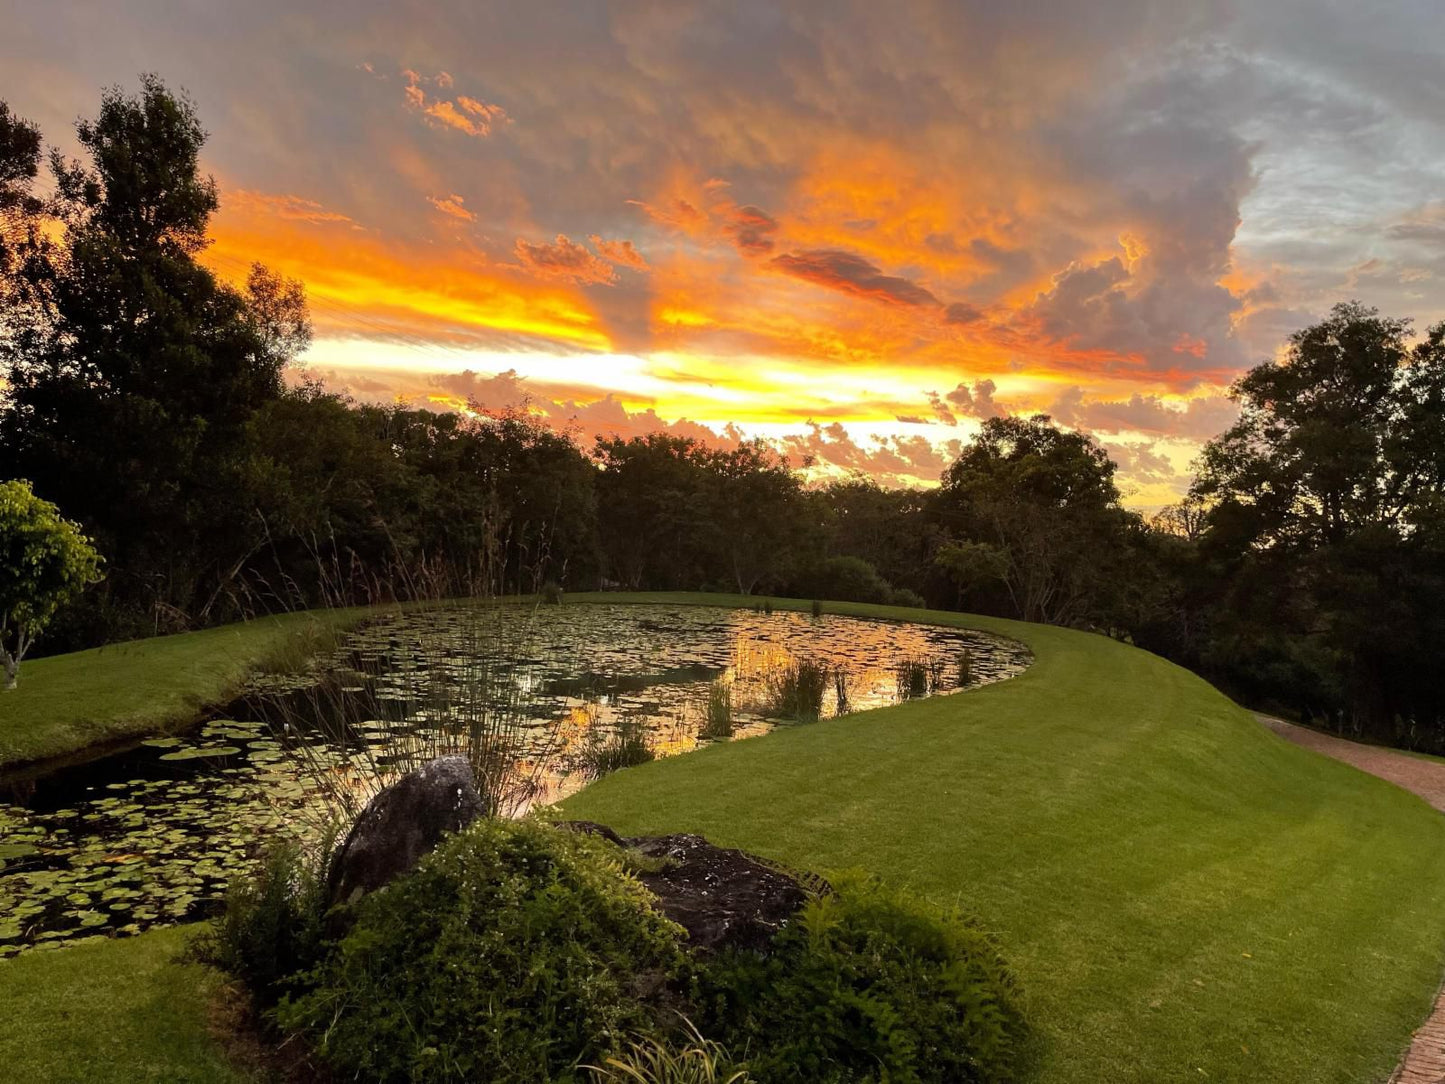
1424	1062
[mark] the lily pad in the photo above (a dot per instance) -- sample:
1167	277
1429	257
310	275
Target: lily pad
203	751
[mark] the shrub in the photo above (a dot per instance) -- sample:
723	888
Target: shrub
906	596
515	952
651	1061
552	593
719	721
626	746
795	691
870	985
817	608
273	925
844	579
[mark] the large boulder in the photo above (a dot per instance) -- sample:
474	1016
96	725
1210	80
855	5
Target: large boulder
402	824
723	898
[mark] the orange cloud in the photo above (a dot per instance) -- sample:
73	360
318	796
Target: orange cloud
452	207
619	252
567	260
464	114
360	285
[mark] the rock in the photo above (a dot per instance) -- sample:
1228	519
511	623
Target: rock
402	824
723	898
591	828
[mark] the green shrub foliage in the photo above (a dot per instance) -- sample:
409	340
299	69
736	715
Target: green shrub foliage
516	952
273	926
869	985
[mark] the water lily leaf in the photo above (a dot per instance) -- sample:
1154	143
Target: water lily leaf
202	751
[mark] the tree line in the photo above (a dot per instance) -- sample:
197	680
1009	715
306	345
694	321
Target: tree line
148	401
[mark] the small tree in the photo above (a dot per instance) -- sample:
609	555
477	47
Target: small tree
45	562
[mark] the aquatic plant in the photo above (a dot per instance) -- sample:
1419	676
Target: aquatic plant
912	676
718	721
442	687
840	692
625	746
965	667
795	691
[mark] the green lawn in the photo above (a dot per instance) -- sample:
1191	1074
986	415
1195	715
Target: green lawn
65	703
1184	895
109	1011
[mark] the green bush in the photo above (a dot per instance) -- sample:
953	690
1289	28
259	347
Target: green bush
515	952
273	925
906	596
842	579
869	985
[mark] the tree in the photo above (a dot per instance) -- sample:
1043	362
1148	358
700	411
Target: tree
45	561
133	373
1323	517
1039	506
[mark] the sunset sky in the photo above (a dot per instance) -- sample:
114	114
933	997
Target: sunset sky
854	228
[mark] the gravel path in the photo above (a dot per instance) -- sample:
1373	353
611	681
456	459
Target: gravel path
1424	1062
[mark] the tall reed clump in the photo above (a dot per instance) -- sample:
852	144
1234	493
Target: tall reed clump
795	691
841	703
428	682
817	608
913	677
625	746
965	668
718	721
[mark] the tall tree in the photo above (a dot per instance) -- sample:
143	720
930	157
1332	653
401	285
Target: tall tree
1324	514
138	372
1040	510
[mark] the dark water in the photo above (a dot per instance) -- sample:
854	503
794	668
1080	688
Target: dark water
152	835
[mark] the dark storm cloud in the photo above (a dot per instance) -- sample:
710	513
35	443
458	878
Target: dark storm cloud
852	274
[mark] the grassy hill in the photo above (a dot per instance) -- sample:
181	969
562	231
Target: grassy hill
1184	895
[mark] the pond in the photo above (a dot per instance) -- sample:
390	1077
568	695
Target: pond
153	835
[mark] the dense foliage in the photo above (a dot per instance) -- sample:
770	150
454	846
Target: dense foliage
522	952
870	985
45	562
516	952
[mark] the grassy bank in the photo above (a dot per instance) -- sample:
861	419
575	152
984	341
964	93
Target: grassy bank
110	1012
1184	895
67	703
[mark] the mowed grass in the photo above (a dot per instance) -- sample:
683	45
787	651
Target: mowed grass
66	703
1184	896
110	1012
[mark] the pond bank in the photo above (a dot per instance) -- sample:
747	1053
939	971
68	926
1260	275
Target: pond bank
70	708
